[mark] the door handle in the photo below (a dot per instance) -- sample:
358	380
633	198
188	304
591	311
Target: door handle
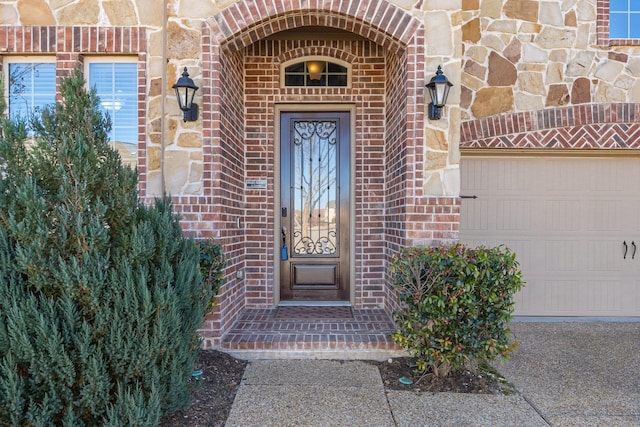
633	254
626	248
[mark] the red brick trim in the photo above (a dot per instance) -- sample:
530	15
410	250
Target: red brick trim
248	21
53	39
589	126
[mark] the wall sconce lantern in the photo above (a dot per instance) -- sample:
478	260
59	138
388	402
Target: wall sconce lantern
439	90
185	91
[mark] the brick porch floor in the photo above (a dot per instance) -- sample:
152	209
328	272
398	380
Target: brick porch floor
314	330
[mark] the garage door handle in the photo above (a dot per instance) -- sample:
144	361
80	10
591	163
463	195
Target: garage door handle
633	254
469	197
625	249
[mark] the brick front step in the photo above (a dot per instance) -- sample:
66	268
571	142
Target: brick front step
312	332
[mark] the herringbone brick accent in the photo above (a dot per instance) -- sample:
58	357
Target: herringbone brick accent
601	126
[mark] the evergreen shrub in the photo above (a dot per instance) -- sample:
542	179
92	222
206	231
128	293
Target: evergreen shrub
100	295
455	304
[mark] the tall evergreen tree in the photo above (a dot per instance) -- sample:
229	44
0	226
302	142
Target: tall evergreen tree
100	295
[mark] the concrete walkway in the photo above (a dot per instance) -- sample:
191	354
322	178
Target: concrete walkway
566	374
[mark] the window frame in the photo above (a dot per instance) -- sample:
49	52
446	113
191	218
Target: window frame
88	60
603	8
284	65
26	59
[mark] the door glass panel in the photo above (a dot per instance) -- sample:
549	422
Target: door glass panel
315	199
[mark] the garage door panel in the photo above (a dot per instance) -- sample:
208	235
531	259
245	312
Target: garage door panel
610	215
562	215
513	176
513	215
566	220
605	256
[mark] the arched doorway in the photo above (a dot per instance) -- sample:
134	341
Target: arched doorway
243	102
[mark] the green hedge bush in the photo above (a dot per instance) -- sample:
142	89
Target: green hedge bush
455	304
101	296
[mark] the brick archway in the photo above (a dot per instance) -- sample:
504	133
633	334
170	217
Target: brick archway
235	142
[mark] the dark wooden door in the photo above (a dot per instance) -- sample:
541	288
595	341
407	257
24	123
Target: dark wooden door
314	253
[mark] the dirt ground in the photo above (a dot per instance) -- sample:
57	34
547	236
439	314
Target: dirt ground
213	394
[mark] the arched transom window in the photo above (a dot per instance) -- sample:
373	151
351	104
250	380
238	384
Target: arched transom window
316	71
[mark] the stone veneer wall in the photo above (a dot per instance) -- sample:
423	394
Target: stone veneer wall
528	55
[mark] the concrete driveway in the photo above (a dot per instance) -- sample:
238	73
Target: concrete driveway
578	373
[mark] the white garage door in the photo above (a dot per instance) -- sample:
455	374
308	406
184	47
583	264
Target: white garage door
574	224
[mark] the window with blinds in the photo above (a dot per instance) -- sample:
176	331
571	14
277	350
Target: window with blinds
31	86
116	84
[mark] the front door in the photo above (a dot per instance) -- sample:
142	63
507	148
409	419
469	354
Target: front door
314	252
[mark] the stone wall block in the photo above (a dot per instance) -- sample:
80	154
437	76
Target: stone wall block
507	26
32	12
182	43
533	54
606	92
501	71
436	139
633	66
634	93
558	55
9	15
84	12
433	184
470	5
624	82
435	160
580	65
550	14
197	8
475	69
581	91
491	8
529	28
176	170
120	12
513	52
466	96
478	54
451	181
585	37
471	31
150	12
609	71
558	95
525	10
190	140
57	4
531	82
439	42
554	73
527	102
493	42
586	10
570	19
491	101
154	155
471	82
551	38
